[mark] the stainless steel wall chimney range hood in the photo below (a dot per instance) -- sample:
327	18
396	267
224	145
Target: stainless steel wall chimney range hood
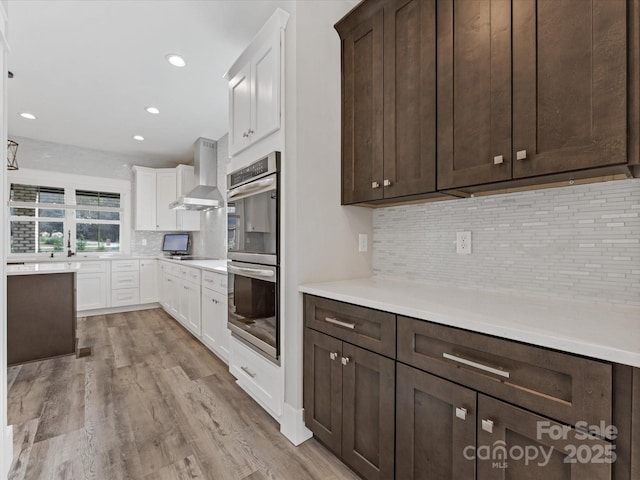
205	196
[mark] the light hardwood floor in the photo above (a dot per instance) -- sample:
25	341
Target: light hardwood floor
150	403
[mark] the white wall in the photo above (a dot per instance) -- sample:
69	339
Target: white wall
580	242
6	440
211	240
321	236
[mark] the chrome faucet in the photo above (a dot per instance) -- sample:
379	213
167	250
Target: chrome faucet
69	252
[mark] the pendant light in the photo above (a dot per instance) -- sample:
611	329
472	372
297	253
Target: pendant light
12	151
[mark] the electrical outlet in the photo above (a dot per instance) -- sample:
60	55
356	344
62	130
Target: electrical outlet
144	241
463	243
362	242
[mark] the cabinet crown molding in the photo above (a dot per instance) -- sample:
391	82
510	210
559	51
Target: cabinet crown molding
277	21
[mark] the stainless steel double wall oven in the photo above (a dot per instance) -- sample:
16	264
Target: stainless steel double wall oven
253	228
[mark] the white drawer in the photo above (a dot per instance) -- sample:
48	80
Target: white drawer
170	268
125	280
214	281
124	265
190	274
93	267
125	296
259	377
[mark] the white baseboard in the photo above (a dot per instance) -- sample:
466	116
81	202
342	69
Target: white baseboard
7	451
107	311
292	425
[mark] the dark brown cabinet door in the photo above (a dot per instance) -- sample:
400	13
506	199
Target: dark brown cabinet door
409	97
362	107
323	388
368	413
474	92
516	444
435	426
569	85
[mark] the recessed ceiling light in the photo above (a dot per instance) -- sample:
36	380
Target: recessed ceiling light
175	60
27	115
138	137
152	110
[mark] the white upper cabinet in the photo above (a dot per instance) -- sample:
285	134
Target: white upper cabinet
155	189
254	86
165	194
144	201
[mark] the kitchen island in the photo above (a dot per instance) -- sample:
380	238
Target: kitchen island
41	311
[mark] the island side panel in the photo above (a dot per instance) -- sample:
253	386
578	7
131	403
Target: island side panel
41	316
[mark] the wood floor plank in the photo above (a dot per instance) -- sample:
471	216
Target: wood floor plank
149	403
23	438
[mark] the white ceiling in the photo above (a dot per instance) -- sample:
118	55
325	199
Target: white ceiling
87	68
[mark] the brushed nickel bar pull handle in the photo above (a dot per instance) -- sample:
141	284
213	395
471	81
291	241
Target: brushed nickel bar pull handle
333	355
461	413
340	323
477	365
345	360
375	185
248	372
521	155
387	183
498	159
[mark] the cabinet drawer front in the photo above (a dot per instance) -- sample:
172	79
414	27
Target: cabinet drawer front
125	296
190	274
364	327
214	281
257	375
562	386
125	280
125	265
93	267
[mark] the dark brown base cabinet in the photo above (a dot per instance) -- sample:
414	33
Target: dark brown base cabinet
349	392
349	398
462	405
485	438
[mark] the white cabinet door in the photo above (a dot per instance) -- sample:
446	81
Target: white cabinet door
214	323
165	194
148	281
92	290
189	310
172	295
145	194
240	110
265	89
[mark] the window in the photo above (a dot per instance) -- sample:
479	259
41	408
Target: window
49	219
97	221
36	224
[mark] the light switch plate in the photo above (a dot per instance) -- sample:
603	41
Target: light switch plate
363	242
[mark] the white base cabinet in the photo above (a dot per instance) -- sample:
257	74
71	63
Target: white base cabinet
259	377
148	281
125	283
93	286
215	333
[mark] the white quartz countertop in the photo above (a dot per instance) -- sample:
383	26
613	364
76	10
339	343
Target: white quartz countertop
599	331
218	266
42	268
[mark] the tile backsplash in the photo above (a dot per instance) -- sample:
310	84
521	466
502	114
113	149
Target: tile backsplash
581	242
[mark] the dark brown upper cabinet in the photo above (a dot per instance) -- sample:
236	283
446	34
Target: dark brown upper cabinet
474	92
388	100
458	96
567	108
569	85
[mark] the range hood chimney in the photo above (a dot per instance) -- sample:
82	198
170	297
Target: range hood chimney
205	196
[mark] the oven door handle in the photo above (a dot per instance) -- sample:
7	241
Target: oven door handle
252	188
258	272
